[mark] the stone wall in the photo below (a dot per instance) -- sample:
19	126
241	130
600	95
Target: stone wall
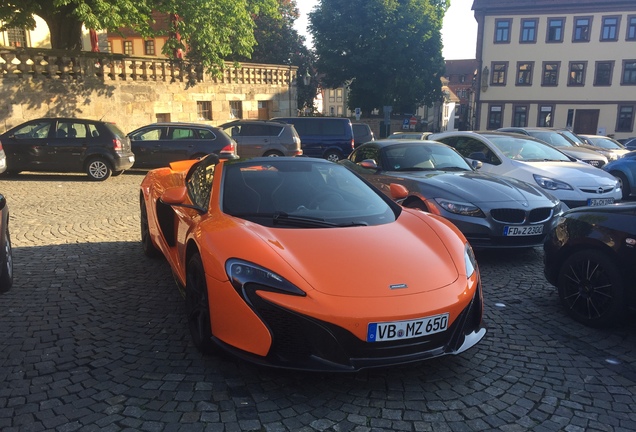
132	91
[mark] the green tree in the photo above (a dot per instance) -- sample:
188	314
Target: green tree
389	52
215	28
278	42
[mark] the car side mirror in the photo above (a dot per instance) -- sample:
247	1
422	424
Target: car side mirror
398	191
369	164
477	164
175	195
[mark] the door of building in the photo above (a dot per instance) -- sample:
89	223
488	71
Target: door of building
586	121
263	111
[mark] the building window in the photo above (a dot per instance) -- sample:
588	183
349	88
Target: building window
603	73
570	121
332	95
502	30
528	31
524	73
582	29
499	74
577	74
109	46
236	109
17	37
128	47
204	110
520	116
625	122
545	117
555	29
631	28
149	47
339	95
550	73
629	72
494	116
609	32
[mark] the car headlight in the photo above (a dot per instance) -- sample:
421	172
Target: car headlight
550	183
462	208
242	273
469	260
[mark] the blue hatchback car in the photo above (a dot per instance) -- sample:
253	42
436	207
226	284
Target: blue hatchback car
624	169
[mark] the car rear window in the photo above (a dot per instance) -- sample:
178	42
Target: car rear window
115	130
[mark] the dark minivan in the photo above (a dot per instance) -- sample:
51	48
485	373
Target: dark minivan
330	138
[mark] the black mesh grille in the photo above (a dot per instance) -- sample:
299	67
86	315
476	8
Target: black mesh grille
508	215
540	214
596	163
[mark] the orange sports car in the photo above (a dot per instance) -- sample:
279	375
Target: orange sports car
299	263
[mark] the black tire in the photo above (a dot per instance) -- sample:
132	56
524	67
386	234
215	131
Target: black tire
273	153
627	191
149	248
197	306
98	169
6	272
333	155
592	289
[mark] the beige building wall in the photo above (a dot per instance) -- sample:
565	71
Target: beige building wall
562	97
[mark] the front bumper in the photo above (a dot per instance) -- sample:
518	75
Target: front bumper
305	343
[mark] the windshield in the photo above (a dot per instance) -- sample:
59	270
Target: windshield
299	192
607	143
572	137
553	138
423	156
525	149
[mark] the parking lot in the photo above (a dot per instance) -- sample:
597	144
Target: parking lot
93	337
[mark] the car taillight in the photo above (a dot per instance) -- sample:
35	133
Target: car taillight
230	148
117	144
352	144
0	145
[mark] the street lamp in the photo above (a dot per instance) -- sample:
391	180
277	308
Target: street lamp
306	78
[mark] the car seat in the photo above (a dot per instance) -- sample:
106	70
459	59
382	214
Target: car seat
417	157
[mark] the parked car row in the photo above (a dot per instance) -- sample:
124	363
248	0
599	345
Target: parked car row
102	150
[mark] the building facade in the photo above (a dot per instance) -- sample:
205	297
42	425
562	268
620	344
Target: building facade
557	63
462	80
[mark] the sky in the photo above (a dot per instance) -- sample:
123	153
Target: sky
459	31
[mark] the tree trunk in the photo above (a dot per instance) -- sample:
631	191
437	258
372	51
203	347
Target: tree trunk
65	29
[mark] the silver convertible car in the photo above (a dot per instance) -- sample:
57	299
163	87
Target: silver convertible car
491	211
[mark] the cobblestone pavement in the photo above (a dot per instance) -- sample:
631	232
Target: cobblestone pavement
93	337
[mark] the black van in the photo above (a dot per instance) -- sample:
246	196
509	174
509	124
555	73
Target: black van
330	138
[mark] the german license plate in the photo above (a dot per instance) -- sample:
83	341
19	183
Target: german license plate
599	201
520	231
388	331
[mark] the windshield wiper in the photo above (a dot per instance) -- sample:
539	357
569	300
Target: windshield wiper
453	168
285	219
415	169
282	218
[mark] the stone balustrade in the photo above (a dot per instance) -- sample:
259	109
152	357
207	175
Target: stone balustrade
23	63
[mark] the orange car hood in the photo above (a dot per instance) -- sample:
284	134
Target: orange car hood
403	257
